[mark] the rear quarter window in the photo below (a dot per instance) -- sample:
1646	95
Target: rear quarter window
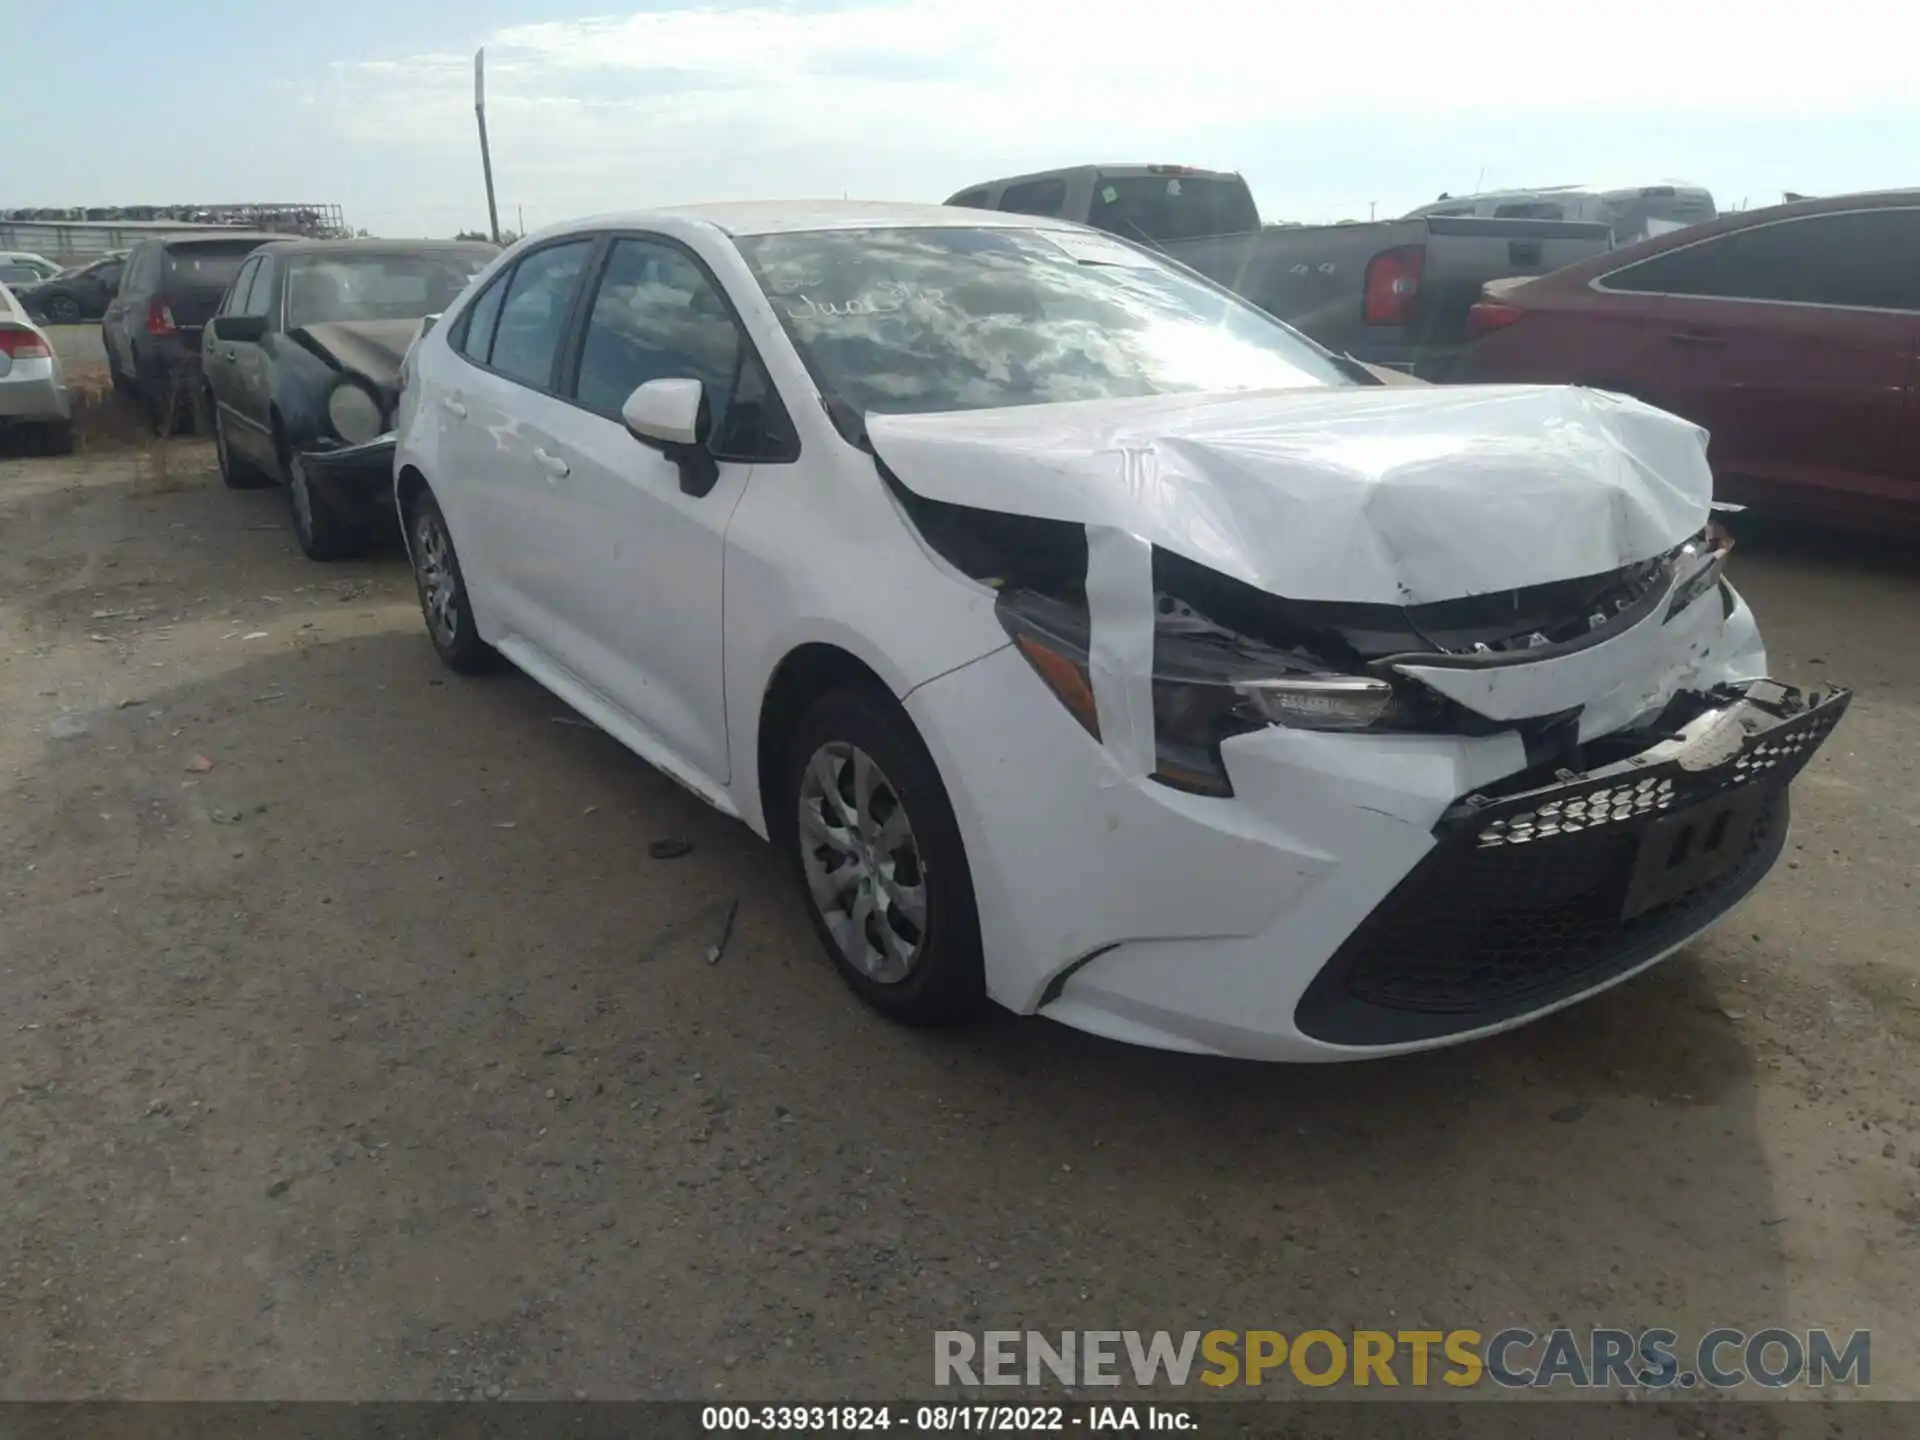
1036	197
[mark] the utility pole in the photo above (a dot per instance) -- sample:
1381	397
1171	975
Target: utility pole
520	218
486	157
1370	205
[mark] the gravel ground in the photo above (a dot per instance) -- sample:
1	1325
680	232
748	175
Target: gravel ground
355	1047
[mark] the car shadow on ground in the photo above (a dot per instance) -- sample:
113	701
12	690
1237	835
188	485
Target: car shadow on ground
384	1042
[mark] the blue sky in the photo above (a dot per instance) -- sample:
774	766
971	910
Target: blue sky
597	105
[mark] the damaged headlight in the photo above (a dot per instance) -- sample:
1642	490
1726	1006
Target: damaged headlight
354	413
1209	684
1698	565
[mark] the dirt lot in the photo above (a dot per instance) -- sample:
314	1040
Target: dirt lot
374	1057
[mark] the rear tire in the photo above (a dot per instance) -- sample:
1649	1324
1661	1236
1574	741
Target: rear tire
444	603
883	871
56	437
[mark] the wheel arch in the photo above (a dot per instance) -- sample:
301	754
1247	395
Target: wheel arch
807	672
409	484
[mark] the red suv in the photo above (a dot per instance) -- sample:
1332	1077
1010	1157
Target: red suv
1790	334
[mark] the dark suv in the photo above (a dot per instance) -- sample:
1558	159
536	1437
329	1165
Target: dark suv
169	290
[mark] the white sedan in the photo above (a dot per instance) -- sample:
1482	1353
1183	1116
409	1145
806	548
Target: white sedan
1093	642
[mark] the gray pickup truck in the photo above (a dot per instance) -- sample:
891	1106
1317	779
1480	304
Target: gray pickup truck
1391	293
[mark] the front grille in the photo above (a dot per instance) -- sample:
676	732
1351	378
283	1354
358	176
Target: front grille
1539	897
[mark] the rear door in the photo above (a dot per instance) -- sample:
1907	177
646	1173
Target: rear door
1792	342
253	364
501	416
221	366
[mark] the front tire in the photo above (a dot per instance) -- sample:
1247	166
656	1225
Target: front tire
444	603
324	534
63	310
873	839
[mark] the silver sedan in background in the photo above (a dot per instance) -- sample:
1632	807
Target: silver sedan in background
33	388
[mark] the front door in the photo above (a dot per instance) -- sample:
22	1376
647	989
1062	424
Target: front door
649	606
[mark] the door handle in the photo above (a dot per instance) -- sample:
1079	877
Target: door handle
1699	338
454	407
555	467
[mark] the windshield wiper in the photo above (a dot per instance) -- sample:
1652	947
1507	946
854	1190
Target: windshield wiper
1353	369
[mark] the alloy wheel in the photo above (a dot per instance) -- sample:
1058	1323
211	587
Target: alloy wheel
862	864
439	587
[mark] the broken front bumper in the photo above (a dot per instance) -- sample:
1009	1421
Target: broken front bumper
1531	899
357	479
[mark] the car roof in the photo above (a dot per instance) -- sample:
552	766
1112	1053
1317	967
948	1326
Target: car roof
367	245
768	217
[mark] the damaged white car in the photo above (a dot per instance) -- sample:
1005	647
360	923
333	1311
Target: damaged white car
1093	642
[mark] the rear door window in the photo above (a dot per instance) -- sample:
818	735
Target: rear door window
1860	259
970	200
236	301
259	299
538	304
474	339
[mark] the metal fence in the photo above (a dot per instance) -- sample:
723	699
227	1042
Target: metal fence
81	234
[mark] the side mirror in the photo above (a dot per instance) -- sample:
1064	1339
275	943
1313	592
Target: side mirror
671	416
239	329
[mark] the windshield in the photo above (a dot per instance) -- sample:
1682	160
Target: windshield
917	320
376	287
1173	207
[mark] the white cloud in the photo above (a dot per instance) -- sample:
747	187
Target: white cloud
922	96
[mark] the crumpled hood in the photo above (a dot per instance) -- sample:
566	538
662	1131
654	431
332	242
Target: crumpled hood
1401	496
372	348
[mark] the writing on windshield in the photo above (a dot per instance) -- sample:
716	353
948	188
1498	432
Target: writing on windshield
919	320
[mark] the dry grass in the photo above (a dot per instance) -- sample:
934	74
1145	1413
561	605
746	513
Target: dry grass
104	419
